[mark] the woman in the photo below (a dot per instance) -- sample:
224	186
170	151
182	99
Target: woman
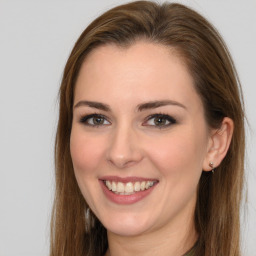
150	140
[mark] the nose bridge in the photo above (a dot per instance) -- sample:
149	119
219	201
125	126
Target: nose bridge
124	148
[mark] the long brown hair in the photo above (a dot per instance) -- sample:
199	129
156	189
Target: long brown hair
217	83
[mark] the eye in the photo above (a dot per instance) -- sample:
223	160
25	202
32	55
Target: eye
94	120
160	120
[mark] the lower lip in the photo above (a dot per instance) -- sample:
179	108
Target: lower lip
125	199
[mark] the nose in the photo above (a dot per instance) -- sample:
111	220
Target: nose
124	148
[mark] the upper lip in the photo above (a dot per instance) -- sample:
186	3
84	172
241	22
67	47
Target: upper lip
126	179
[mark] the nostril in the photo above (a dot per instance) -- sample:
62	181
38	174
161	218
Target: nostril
123	148
121	162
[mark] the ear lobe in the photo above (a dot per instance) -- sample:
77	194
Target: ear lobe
219	144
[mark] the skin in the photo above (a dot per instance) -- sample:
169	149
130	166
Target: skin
126	144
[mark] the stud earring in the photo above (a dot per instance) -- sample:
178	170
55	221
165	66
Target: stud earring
211	164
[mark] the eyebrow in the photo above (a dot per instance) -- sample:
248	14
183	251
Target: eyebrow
93	104
140	107
157	104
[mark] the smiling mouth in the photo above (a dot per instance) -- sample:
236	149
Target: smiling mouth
128	188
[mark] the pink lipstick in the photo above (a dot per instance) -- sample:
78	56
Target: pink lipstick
126	190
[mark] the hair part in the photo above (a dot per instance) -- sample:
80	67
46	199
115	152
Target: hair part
215	79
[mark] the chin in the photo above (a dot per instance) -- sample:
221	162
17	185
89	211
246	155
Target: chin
127	226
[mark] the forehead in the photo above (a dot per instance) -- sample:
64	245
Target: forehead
143	71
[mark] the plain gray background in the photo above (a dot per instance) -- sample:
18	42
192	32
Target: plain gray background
36	38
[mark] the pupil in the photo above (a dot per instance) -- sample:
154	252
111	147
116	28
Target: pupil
160	121
97	120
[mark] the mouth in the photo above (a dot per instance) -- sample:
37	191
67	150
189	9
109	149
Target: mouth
128	188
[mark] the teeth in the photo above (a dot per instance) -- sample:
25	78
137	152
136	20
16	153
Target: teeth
142	185
113	186
128	188
120	187
108	184
137	186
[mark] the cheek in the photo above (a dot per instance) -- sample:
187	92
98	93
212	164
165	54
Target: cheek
86	152
179	154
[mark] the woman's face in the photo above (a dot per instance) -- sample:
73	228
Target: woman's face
139	138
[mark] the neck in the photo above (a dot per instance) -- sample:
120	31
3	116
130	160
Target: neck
165	241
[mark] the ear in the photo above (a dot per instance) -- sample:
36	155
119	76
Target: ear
218	145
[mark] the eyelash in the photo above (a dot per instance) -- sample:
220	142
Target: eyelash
84	120
168	118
